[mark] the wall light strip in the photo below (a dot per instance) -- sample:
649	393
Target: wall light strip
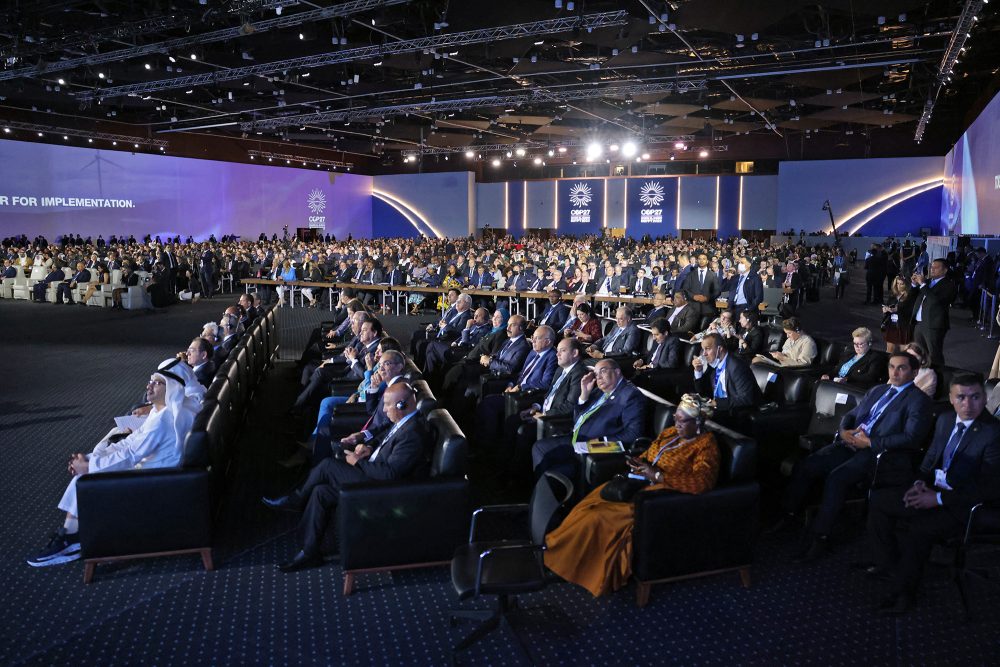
874	202
677	218
404	208
625	208
555	198
889	202
524	204
717	186
739	216
506	205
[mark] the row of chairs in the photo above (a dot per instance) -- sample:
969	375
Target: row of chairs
133	514
133	298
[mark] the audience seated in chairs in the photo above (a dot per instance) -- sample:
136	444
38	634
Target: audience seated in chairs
866	368
881	432
752	340
622	342
199	357
175	396
799	349
726	380
593	545
401	451
583	326
684	318
960	470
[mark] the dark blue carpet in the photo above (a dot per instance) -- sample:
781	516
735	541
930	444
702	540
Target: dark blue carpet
68	371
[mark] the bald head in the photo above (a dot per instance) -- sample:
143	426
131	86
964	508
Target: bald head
398	401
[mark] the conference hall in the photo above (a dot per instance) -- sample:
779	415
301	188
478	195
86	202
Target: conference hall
545	332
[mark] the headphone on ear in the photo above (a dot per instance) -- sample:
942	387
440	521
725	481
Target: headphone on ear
400	405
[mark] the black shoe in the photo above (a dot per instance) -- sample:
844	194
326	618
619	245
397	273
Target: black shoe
786	522
290	503
814	550
896	604
300	562
62	548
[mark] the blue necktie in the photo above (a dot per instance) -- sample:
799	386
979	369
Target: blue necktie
876	411
952	446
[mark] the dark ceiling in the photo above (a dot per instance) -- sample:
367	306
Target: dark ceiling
392	84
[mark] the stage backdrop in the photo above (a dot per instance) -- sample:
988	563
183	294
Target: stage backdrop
971	201
52	190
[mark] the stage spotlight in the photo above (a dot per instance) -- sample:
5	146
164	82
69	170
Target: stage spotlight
496	162
703	153
629	149
470	154
538	160
594	151
100	75
520	152
148	66
680	145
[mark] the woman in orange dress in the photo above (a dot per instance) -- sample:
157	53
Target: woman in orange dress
593	546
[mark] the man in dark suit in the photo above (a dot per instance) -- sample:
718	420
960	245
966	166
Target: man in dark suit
876	265
558	401
556	313
207	272
726	379
747	290
470	367
930	310
651	370
622	342
229	335
199	358
641	284
703	285
39	289
534	379
507	360
169	261
961	469
420	337
439	354
402	452
65	288
892	420
684	317
448	329
609	407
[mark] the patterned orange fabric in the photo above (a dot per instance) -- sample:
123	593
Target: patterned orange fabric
593	546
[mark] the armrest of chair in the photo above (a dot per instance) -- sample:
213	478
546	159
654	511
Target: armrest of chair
494	384
895	467
381	524
777	430
482	512
144	511
556	424
599	468
677	533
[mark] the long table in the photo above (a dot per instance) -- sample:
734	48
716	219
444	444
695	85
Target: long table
514	297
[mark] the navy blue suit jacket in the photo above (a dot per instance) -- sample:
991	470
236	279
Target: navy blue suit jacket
753	291
554	316
541	374
510	358
904	424
974	473
622	416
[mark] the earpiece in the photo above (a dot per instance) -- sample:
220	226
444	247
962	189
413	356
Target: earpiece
400	405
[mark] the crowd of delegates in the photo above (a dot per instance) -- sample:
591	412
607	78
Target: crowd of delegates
479	360
560	366
166	411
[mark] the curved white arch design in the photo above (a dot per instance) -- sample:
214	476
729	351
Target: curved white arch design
886	203
412	215
922	186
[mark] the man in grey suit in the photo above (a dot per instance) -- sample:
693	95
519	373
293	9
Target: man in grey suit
623	341
961	470
402	452
892	419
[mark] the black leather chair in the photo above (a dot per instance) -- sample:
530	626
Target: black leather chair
409	523
680	536
132	514
507	567
982	528
831	402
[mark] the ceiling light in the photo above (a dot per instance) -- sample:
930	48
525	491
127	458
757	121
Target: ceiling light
496	162
538	160
551	152
613	147
62	82
562	149
171	59
113	143
645	156
519	151
65	138
148	66
672	157
629	149
680	145
470	154
594	150
569	6
135	145
6	130
194	56
558	4
100	75
302	36
40	134
703	153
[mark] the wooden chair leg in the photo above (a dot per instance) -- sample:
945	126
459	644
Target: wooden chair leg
88	572
348	583
642	590
745	577
206	559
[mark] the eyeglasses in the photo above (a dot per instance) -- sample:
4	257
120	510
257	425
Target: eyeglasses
155	382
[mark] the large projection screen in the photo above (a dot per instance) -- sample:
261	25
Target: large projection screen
971	201
54	190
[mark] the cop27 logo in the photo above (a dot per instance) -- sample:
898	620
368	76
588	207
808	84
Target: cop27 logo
316	201
580	195
651	194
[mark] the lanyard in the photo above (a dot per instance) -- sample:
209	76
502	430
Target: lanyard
718	375
666	448
873	418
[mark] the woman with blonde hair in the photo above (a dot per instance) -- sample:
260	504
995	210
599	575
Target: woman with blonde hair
593	546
